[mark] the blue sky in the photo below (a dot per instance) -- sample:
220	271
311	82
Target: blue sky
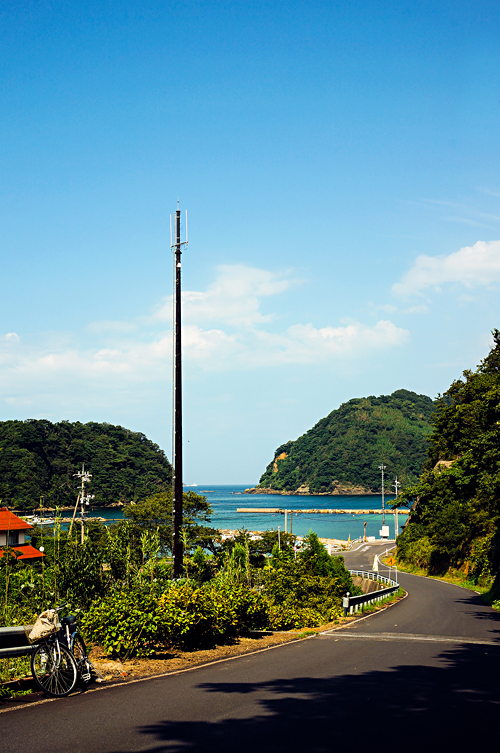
339	162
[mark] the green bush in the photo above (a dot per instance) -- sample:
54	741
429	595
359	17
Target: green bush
307	591
291	617
417	553
124	623
186	615
208	614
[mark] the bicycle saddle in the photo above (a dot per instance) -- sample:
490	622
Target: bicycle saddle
69	620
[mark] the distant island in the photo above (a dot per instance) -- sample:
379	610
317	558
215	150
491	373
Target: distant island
342	453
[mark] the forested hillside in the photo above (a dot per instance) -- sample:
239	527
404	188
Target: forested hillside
342	452
456	503
39	458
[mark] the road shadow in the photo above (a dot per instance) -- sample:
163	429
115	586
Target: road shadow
453	705
484	612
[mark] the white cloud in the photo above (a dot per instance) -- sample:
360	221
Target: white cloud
234	298
298	344
423	309
112	326
388	308
230	334
471	266
307	344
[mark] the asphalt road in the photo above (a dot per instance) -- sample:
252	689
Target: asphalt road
422	676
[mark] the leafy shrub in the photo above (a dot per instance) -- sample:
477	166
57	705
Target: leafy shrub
81	572
186	614
417	553
124	623
202	615
308	591
478	564
291	616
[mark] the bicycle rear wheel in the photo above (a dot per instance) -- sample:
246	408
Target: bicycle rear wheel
83	665
54	669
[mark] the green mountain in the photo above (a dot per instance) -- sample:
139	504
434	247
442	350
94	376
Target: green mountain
342	452
39	458
455	518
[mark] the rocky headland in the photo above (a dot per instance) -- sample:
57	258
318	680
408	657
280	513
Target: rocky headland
336	490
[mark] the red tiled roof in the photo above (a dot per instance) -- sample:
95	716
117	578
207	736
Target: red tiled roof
10	522
28	551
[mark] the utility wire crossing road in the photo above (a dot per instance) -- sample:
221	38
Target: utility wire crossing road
421	676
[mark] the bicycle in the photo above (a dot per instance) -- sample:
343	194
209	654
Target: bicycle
53	665
76	645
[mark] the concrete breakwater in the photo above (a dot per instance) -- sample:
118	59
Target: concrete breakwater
328	511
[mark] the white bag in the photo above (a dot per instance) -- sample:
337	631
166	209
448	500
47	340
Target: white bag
46	623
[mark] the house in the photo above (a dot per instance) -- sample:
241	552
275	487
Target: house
13	534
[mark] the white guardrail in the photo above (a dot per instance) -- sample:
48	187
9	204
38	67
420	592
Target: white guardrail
352	604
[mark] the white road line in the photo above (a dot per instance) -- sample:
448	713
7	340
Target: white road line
354	550
410	637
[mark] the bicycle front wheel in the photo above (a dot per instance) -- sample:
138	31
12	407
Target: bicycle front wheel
79	650
54	669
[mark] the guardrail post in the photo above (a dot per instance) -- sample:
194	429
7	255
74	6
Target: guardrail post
345	603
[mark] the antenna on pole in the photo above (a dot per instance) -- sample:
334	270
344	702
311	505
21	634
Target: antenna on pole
396	485
85	477
176	247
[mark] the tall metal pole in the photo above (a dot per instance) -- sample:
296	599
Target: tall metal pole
177	406
85	477
82	510
382	468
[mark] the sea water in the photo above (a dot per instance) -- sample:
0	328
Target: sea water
225	499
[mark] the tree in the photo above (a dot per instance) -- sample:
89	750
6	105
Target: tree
40	458
155	513
456	502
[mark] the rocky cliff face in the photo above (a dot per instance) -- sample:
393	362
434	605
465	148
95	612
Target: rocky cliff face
338	489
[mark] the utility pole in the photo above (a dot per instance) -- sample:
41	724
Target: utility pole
382	468
396	486
177	403
85	477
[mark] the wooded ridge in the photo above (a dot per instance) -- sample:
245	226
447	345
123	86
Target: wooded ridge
39	458
455	518
342	453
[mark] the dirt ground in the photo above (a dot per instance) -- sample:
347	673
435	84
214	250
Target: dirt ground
176	659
